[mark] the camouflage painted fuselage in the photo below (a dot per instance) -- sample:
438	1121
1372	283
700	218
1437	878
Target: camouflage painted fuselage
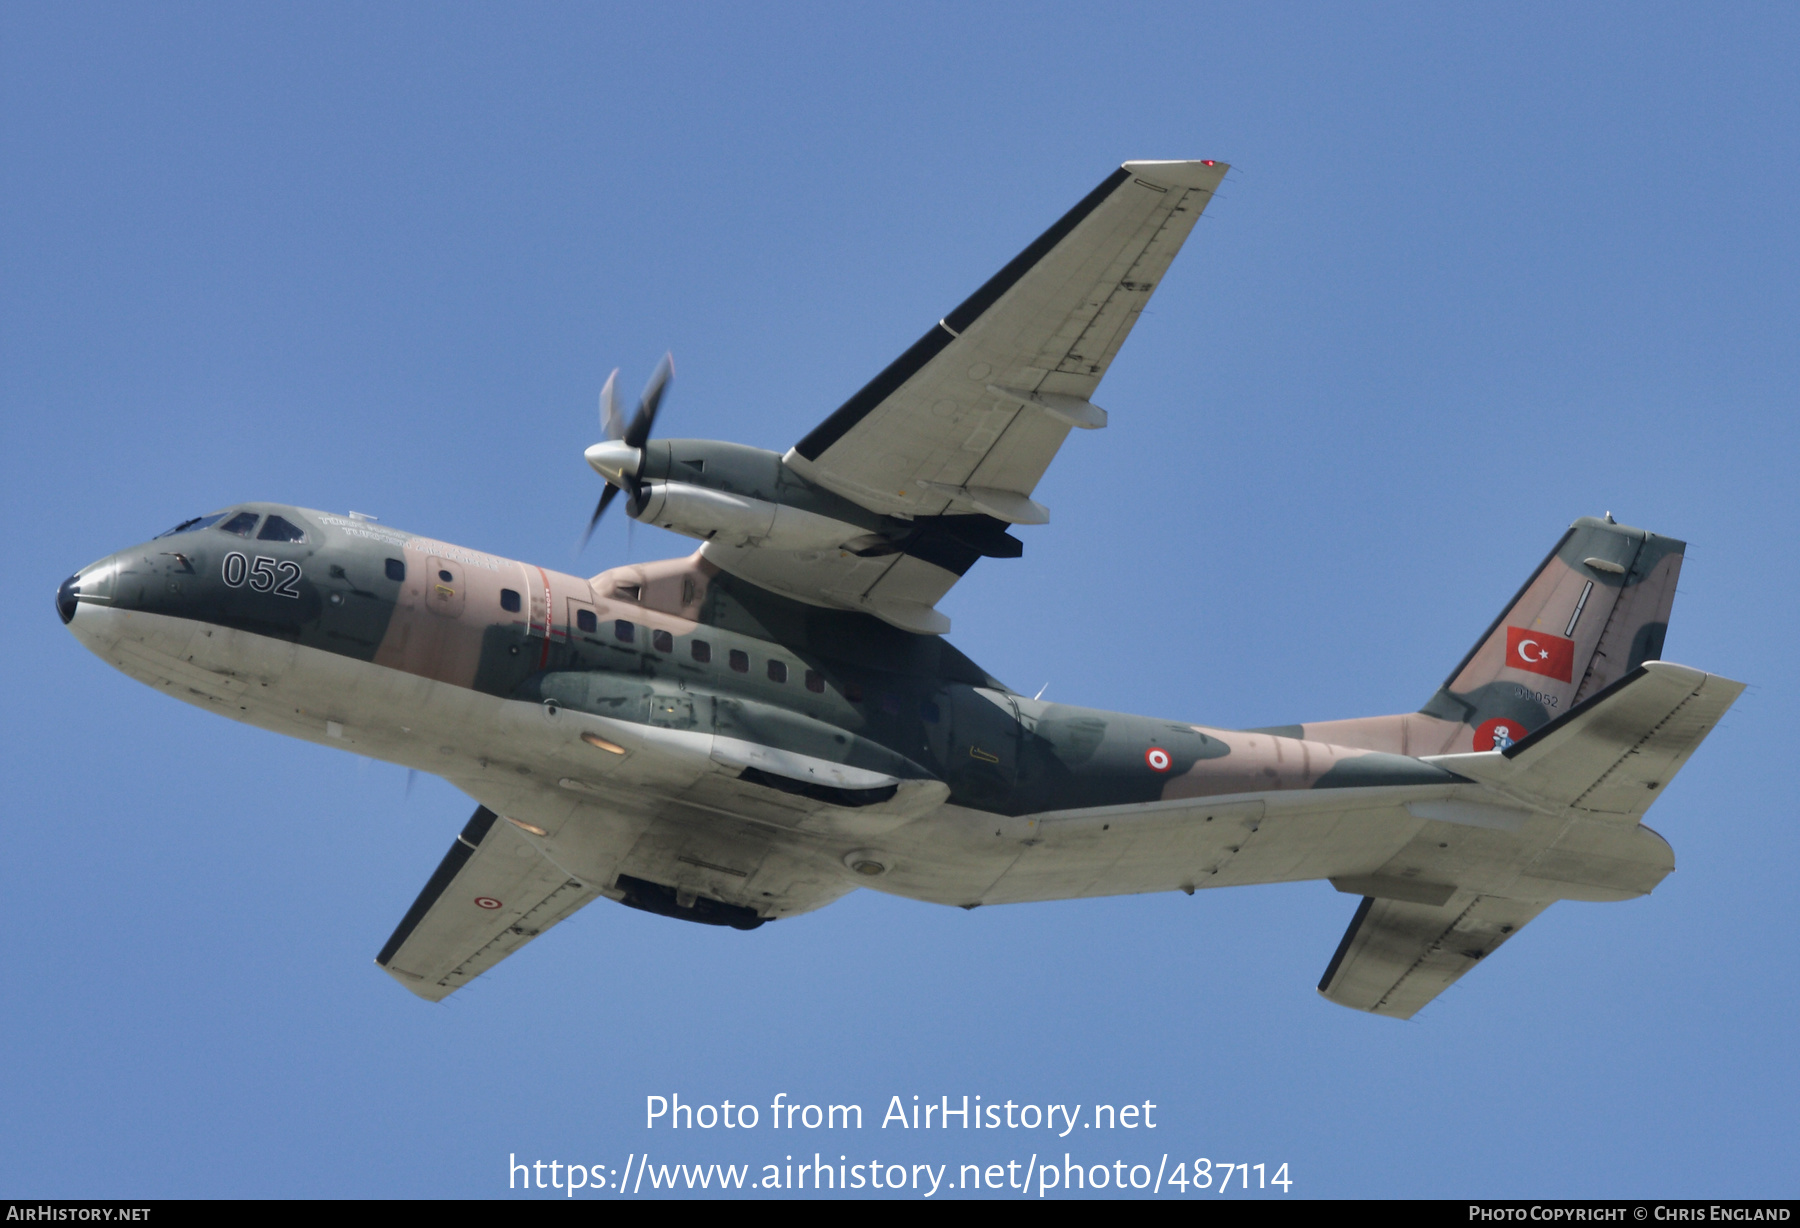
678	739
752	732
678	644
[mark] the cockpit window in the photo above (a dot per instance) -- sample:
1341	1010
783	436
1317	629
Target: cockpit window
189	526
275	529
241	524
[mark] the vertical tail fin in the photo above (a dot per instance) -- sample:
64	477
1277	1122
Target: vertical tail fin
1595	610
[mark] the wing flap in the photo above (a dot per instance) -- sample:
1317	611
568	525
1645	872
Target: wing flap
493	893
1398	955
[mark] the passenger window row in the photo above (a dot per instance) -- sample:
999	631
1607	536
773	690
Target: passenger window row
625	631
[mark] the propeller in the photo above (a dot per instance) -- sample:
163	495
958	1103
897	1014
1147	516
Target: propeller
620	455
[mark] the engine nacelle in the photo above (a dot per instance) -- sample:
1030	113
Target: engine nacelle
738	520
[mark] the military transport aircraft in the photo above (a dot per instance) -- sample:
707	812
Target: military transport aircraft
751	732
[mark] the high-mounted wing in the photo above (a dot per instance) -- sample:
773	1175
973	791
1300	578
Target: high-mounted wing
493	893
964	423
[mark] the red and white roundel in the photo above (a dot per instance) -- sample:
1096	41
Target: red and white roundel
1499	733
1158	759
486	901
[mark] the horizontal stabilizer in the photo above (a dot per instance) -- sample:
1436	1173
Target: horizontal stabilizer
493	893
1613	753
1397	956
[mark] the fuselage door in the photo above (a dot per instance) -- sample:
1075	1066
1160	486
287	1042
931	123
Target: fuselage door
537	603
444	587
981	760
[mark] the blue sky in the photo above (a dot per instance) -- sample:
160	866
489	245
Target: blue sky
1477	271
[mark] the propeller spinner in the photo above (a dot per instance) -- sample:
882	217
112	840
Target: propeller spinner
618	457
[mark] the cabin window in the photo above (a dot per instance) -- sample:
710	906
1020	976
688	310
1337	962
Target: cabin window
275	529
509	601
815	681
445	576
241	524
777	671
587	621
396	571
740	660
702	651
624	632
662	641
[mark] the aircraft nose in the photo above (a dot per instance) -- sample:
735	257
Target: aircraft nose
92	583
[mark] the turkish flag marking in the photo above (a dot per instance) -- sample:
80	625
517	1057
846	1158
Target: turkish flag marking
1538	652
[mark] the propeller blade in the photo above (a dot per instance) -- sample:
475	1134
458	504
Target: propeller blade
611	422
606	496
633	436
639	431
